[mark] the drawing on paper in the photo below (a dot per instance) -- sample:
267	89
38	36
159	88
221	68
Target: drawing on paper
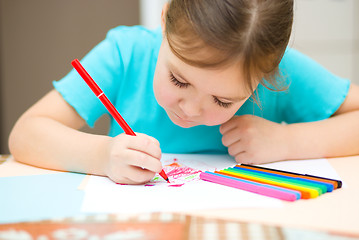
177	173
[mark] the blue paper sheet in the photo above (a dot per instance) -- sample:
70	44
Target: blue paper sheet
40	197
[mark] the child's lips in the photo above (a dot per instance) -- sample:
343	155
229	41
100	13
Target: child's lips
181	118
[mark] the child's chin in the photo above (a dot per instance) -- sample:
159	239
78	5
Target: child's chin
183	124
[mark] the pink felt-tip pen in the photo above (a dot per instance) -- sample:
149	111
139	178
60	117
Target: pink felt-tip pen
106	102
263	189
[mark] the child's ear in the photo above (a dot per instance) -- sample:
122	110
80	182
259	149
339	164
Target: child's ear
163	17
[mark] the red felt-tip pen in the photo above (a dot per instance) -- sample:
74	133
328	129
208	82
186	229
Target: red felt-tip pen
106	102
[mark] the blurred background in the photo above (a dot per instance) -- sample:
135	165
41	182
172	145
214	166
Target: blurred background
39	39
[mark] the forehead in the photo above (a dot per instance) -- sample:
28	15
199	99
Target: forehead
194	51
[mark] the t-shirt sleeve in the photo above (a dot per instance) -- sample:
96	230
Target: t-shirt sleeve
313	93
104	63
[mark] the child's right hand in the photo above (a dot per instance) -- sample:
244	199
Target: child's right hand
133	159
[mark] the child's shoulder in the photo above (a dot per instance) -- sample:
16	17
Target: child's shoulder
300	66
135	33
292	55
134	40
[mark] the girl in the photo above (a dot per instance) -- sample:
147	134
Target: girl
216	77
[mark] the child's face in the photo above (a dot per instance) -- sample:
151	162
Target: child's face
194	96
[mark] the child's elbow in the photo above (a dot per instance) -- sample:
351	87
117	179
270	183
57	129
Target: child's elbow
15	142
12	142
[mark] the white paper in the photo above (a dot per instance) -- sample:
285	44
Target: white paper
316	167
192	196
104	196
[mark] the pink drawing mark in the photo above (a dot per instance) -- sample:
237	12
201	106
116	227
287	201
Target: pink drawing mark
176	185
181	172
177	173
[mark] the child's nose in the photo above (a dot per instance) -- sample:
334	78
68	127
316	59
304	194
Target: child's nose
191	108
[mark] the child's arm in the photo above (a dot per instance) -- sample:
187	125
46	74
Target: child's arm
47	136
251	139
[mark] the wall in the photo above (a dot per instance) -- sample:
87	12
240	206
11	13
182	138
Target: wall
150	12
39	38
327	31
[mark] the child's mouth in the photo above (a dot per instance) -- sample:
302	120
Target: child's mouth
182	119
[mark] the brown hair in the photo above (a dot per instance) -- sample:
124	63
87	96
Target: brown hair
213	33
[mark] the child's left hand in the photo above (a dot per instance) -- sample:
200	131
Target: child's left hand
254	140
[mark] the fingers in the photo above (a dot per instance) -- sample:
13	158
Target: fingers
236	148
142	160
136	175
223	129
230	137
133	159
227	126
146	154
242	157
145	144
232	133
152	139
133	175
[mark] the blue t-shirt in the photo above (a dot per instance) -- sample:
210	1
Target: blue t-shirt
123	65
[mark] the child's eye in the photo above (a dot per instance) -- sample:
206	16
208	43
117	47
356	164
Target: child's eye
177	83
222	104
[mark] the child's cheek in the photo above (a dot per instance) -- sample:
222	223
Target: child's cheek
166	99
218	116
163	94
